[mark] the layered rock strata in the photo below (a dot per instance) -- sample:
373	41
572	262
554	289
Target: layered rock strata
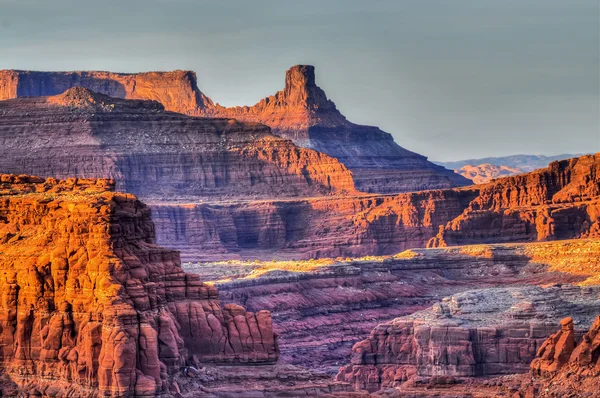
476	333
307	228
156	154
90	306
561	201
322	307
301	112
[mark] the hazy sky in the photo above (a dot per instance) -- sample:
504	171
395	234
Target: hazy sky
450	79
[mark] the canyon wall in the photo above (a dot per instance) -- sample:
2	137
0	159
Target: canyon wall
561	201
307	228
301	112
322	307
90	306
158	155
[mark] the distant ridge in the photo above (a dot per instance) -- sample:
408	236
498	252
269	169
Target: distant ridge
485	169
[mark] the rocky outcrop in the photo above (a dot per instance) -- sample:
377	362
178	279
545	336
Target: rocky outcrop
301	112
567	365
90	306
158	155
476	333
322	307
307	228
561	201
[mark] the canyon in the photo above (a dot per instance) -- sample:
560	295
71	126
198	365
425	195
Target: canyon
558	202
225	189
301	112
307	269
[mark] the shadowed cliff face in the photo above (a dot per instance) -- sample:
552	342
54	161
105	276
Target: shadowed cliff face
90	306
300	112
156	154
559	202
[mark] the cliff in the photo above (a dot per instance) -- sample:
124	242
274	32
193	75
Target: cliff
156	154
307	228
90	306
561	201
301	112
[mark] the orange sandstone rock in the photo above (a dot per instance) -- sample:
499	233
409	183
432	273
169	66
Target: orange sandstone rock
90	306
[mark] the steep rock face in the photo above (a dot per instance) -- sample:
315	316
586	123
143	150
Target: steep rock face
476	333
308	228
322	307
559	202
90	306
301	113
156	154
567	365
486	172
177	90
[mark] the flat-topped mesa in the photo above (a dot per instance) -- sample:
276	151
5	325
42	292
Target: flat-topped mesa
177	90
300	112
90	306
156	154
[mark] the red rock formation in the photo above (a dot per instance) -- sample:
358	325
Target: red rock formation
477	333
566	365
561	201
90	306
556	351
158	155
301	113
322	307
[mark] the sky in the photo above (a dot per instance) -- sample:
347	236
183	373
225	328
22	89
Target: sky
450	79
